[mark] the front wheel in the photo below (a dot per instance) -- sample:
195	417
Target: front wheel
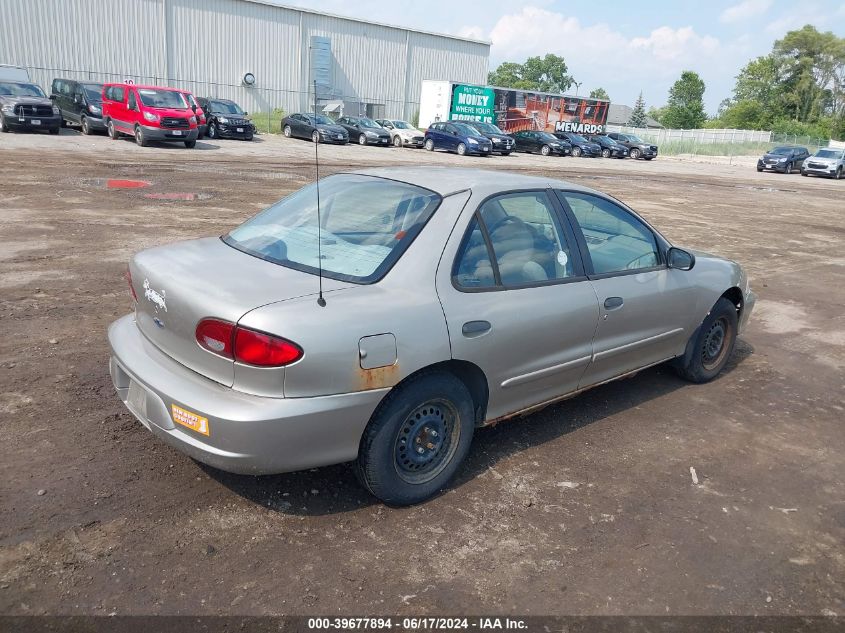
287	131
788	168
462	149
397	141
315	137
3	127
545	150
86	128
713	345
838	174
362	139
429	145
576	151
605	153
140	139
416	439
635	153
212	131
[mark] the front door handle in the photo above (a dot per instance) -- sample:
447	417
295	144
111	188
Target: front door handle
475	328
613	303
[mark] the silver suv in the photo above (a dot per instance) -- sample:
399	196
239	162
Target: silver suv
825	162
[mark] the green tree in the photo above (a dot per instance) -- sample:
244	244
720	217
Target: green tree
544	74
638	116
599	93
685	108
656	113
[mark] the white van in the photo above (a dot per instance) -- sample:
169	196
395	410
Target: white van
17	74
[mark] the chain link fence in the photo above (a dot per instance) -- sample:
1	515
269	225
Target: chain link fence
718	142
266	106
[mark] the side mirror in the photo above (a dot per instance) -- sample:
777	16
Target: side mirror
246	113
194	107
680	259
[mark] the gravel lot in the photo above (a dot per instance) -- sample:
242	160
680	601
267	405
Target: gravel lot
586	507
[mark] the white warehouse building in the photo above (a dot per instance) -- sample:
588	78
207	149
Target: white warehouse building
216	47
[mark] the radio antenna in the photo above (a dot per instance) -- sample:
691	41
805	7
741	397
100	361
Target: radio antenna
320	300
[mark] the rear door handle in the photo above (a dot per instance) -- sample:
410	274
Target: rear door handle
612	303
475	328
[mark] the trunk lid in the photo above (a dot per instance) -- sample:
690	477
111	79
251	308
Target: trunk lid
180	284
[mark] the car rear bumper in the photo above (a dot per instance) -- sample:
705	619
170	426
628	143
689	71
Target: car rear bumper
27	122
166	134
246	434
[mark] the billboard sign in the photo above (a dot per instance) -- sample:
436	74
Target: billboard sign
473	103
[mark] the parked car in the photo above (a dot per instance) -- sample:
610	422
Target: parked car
148	113
580	145
543	142
24	106
319	128
402	133
226	119
783	159
502	143
452	299
14	74
199	111
637	147
80	103
456	137
364	130
609	147
827	161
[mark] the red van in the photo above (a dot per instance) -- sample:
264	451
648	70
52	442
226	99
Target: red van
201	123
149	113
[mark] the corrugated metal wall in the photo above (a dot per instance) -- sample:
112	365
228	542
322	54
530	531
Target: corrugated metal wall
207	46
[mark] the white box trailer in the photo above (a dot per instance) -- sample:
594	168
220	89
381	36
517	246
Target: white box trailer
17	74
511	109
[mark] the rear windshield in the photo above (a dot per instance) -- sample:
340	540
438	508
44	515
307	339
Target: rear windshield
10	89
367	223
162	98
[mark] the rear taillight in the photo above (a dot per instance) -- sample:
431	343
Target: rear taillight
245	345
128	276
264	350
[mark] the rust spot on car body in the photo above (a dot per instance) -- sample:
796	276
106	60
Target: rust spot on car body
378	377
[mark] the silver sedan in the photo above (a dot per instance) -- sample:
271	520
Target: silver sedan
424	303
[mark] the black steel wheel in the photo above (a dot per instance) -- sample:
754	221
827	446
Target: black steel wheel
709	352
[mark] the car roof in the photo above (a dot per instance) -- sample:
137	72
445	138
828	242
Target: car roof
448	180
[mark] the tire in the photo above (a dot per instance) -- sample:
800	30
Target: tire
435	411
649	157
139	137
462	149
429	145
605	153
248	138
576	151
287	131
3	127
506	153
759	169
788	168
315	137
86	128
191	144
838	174
113	133
362	139
545	150
635	153
713	345
804	173
200	135
397	141
54	130
213	134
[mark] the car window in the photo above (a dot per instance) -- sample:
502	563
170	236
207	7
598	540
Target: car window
616	240
527	242
473	268
133	103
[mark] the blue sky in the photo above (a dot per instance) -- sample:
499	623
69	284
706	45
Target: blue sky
624	47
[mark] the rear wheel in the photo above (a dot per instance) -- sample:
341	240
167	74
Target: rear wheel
462	149
713	345
576	151
429	145
416	439
191	144
86	128
545	150
140	139
635	153
605	153
113	133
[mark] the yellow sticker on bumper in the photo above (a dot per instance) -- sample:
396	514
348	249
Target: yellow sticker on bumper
191	420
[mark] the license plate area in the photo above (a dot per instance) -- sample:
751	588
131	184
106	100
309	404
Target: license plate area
35	121
136	401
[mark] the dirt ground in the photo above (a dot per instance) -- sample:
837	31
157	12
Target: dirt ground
584	508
